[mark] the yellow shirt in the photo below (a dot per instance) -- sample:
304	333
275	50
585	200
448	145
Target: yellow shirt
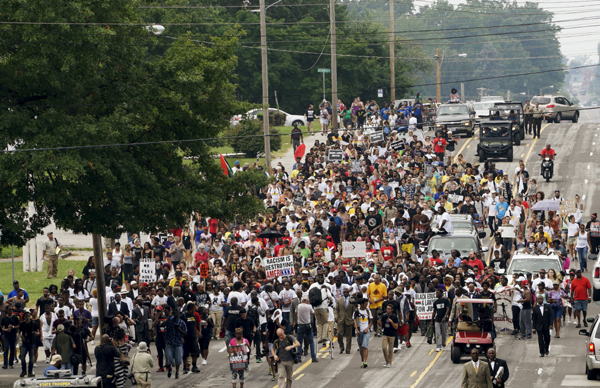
295	173
545	235
377	293
173	281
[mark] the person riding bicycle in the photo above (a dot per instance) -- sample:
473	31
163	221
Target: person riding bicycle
547	152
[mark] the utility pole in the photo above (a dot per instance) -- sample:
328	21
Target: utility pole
265	85
438	61
100	286
462	92
392	54
334	93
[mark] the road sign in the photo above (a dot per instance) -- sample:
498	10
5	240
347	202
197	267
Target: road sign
323	70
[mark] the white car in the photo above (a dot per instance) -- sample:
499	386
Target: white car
482	109
592	347
596	282
290	120
523	262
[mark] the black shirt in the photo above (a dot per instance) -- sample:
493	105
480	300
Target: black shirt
28	331
105	360
6	321
246	324
231	316
42	303
373	222
440	306
159	251
388	329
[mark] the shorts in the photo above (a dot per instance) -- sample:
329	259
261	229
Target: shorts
191	347
363	340
94	321
38	341
47	343
557	311
403	330
324	121
580	305
204	342
174	355
237	375
270	347
571	240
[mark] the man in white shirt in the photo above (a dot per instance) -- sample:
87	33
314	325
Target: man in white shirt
242	298
286	296
412	123
322	310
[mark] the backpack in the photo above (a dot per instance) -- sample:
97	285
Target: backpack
314	296
253	313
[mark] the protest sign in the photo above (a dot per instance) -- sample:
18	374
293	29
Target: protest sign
595	229
567	207
424	305
354	249
503	315
147	271
238	357
203	270
455	198
397	145
507	231
336	155
278	266
356	166
377	137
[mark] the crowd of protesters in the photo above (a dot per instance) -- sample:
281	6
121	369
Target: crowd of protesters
392	198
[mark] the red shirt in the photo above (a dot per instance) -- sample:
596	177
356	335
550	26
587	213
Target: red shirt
214	225
435	262
387	253
438	145
580	287
525	204
550	153
477	263
201	257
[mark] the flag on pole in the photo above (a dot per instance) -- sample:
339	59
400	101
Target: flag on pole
300	150
225	167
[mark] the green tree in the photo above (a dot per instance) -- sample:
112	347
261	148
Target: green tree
251	146
88	84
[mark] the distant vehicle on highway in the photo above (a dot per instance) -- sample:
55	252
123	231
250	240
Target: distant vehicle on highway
557	108
482	109
458	118
492	98
290	119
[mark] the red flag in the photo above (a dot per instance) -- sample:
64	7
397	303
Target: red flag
299	153
225	167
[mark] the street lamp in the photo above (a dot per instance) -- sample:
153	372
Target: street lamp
156	29
463	55
546	87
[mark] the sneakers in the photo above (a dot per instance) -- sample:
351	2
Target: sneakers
408	345
364	365
389	365
385	364
274	378
395	350
258	361
169	373
399	347
195	369
23	374
204	362
403	342
93	342
30	374
315	360
438	349
34	365
176	375
160	370
47	360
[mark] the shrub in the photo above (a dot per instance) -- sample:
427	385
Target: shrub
275	119
251	145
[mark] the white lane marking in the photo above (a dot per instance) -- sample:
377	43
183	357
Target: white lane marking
540	371
224	348
588	166
578	381
583	198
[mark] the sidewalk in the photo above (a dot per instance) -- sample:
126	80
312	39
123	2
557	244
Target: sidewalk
288	159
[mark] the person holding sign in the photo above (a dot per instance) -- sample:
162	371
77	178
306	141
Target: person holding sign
238	349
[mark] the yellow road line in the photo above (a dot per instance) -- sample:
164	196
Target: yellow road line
523	154
422	375
430	352
414	373
467	142
529	154
299	377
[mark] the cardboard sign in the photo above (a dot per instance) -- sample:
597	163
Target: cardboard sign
356	166
455	198
398	145
507	231
503	315
203	270
238	357
567	207
377	137
354	249
336	155
147	271
595	229
424	304
278	266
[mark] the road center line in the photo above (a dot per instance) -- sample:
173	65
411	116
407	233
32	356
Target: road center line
224	348
414	373
467	142
299	377
533	144
422	375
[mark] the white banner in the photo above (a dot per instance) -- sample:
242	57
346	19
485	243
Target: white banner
354	249
507	231
147	271
278	266
424	305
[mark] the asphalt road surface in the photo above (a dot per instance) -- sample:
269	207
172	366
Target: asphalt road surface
578	147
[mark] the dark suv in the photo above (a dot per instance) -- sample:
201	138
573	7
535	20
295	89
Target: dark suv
495	140
458	118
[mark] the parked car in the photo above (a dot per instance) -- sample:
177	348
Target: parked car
596	282
592	348
290	120
458	118
557	108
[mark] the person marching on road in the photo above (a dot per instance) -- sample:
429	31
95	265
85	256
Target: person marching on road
476	374
345	309
296	136
538	116
441	312
495	364
363	320
542	323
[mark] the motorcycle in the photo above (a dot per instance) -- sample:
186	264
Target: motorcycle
547	167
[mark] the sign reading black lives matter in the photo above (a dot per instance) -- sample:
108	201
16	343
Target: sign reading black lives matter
278	266
336	155
397	145
377	137
147	271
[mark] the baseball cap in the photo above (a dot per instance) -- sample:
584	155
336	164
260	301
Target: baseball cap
525	282
159	307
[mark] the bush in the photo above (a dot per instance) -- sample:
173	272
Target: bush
252	145
275	119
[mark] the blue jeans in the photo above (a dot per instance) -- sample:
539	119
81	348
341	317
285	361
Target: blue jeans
174	355
10	350
302	331
67	366
582	254
27	348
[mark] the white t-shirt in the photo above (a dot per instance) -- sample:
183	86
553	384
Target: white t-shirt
94	305
271	298
216	301
158	301
241	298
262	310
412	123
448	224
572	229
66	309
287	296
363	318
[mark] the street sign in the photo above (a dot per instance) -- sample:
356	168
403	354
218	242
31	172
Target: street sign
379	93
323	70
